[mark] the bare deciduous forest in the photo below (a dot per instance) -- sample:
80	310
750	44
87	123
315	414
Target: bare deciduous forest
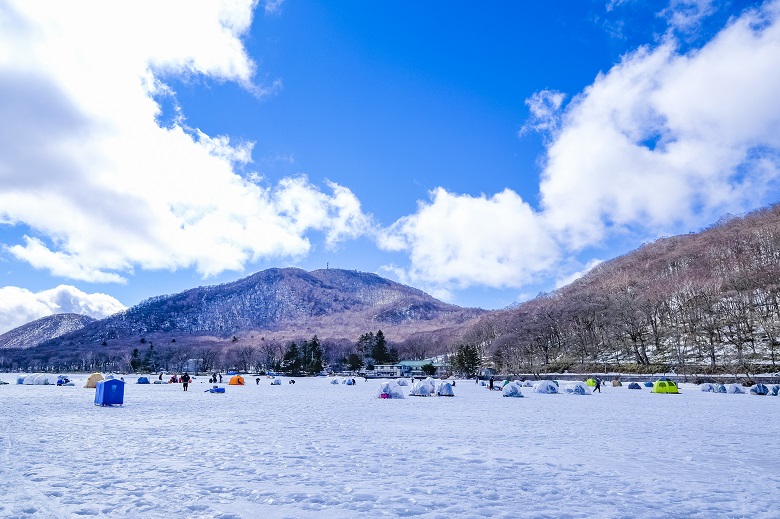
704	303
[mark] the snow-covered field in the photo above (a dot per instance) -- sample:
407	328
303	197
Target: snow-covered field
314	449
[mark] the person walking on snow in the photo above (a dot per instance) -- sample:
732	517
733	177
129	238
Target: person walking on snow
185	381
598	386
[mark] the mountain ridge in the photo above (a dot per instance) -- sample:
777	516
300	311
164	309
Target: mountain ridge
278	302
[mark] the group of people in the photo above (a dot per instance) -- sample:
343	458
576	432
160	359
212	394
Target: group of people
184	379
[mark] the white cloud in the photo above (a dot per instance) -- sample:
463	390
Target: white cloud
106	189
19	306
662	143
545	112
273	6
459	240
665	141
685	15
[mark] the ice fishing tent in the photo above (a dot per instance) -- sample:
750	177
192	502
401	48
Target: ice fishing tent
334	381
775	390
20	379
721	388
390	389
665	385
591	382
110	392
236	380
41	379
634	385
648	384
422	388
142	380
350	382
275	382
445	389
759	389
513	389
735	389
546	387
93	380
402	382
708	388
577	388
528	383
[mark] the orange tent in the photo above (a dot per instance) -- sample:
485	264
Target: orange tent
236	380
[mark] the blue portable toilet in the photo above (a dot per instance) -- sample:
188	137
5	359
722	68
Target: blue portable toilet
143	380
110	392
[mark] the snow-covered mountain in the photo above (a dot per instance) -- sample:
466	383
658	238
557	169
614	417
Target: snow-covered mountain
43	329
330	302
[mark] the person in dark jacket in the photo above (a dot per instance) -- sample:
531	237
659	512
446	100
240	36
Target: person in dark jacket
490	385
598	386
185	381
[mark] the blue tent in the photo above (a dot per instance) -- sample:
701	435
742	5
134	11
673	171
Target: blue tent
634	385
759	389
648	384
142	380
110	392
720	388
775	390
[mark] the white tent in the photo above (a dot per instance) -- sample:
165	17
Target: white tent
334	381
41	379
735	388
422	388
276	382
390	390
402	382
528	383
577	388
445	389
546	386
708	388
513	389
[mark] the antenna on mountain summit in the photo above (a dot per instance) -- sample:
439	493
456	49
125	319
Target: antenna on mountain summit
326	265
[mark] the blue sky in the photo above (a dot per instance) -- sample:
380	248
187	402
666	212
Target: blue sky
481	153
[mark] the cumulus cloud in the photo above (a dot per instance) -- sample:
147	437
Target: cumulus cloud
19	306
105	188
664	142
460	240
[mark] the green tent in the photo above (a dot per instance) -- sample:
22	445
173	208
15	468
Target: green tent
664	385
591	382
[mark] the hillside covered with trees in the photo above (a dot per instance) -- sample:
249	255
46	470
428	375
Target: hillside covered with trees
705	302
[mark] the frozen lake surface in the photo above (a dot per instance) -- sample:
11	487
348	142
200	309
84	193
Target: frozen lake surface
314	449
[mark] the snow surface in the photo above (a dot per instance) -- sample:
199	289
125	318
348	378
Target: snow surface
313	449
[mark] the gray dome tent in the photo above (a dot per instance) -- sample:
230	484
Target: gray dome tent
513	390
547	387
735	389
445	389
